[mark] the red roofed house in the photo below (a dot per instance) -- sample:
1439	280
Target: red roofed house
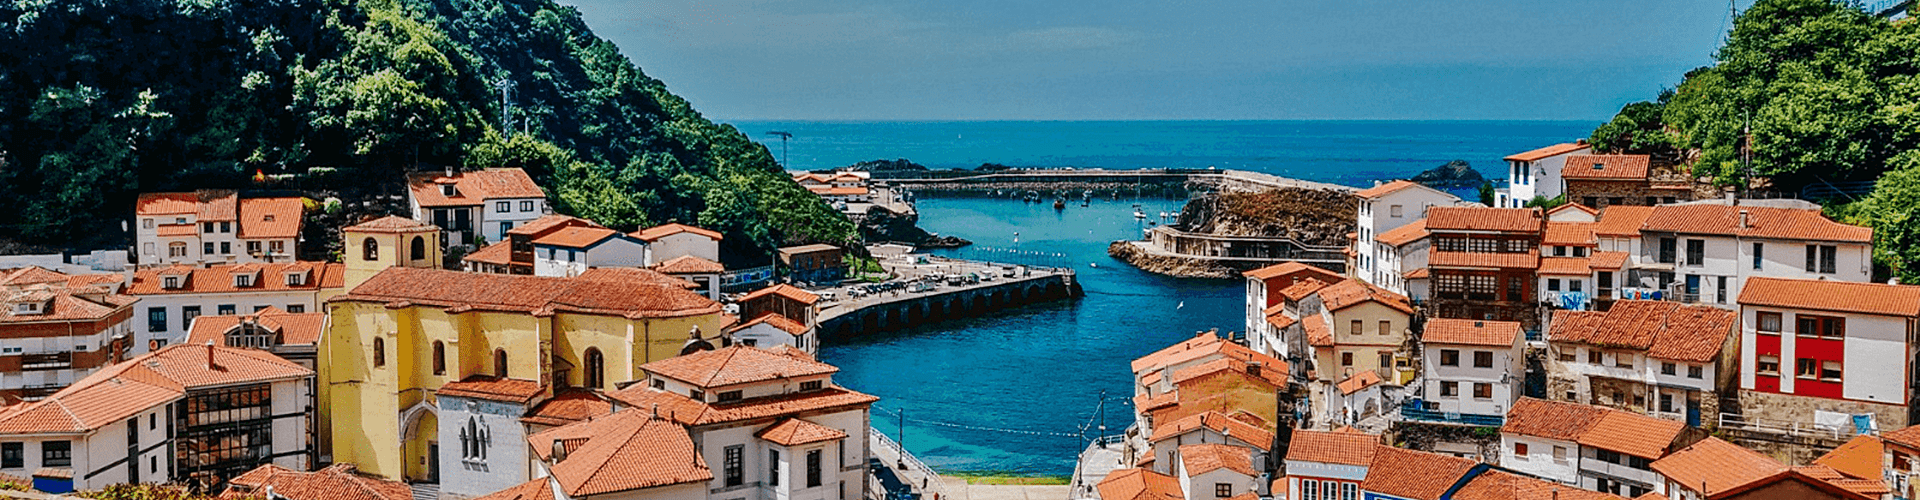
1263	292
1896	455
1484	262
515	255
1704	252
1346	329
291	336
1536	173
571	251
215	227
1595	448
1382	209
336	482
1203	375
1470	367
1809	347
56	328
1711	467
1403	260
184	413
675	240
1171	439
772	329
477	207
1215	471
1326	461
172	297
1602	181
1140	484
1658	357
838	187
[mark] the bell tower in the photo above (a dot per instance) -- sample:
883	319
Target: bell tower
391	241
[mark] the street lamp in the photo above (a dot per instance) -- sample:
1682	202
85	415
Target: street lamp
783	145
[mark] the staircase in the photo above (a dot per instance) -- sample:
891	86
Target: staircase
425	491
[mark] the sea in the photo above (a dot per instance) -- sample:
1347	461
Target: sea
1019	392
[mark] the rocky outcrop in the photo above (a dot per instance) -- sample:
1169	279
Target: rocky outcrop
1310	216
1455	174
1180	267
882	225
899	165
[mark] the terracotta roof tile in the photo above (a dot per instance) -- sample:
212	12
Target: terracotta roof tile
1864	488
549	223
472	188
1274	375
665	230
1549	151
1204	458
1199	347
734	366
492	389
538	295
1827	295
625	451
294	328
1651	495
1574	234
1633	434
1280	320
1353	292
166	204
1571	206
172	230
1418	274
1515	220
1290	268
1906	436
687	411
1667	330
1605	167
217	205
784	290
337	482
219	279
1861	457
31	275
1565	266
1317	332
123	390
499	254
1551	419
569	406
774	320
635	275
1217	421
1345	448
275	218
796	432
1150	403
1716	465
813	248
1359	382
1385	189
59	303
1471	332
1529	260
1763	222
575	237
838	191
1301	289
1409	233
538	489
1139	484
1622	220
1501	485
1414	475
389	224
1602	261
688	264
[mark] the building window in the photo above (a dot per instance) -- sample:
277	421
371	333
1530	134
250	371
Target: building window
812	385
595	374
1566	354
1666	402
1520	450
1758	255
1483	359
1696	253
1223	490
1553	284
735	457
659	384
1348	491
1806	368
1483	390
156	319
1693	371
1807	325
729	396
379	352
505	225
1560	454
56	453
1449	357
1768	365
1386	327
1669	369
502	206
1449	389
296	279
1386	359
1830	371
526	206
1667	250
419	250
206	248
1822	259
1309	489
242	280
253	248
697	395
1353	327
1346	359
813	468
1622	360
296	308
369	249
500	363
1767	322
1593	357
13	455
277	247
177	249
225	309
439	358
226	248
773	467
474	440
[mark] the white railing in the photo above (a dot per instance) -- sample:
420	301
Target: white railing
933	485
1805	429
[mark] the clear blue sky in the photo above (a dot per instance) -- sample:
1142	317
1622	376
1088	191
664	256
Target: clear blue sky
1136	59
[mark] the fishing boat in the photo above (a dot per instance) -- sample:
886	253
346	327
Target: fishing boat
1138	213
1059	204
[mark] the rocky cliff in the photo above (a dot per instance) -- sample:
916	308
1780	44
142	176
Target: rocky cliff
882	225
1455	174
1320	217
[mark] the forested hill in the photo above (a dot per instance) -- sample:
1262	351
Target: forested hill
107	98
1810	93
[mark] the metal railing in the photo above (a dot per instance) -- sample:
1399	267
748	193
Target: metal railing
934	484
1804	429
1411	410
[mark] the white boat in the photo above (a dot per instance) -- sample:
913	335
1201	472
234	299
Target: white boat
1138	214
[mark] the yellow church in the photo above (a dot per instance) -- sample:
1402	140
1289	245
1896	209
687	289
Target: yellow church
404	328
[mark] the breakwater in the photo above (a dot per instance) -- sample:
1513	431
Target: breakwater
1112	182
1012	286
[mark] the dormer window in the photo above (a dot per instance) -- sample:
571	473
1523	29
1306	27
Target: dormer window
242	280
170	282
447	190
296	279
1599	166
729	396
810	386
26	308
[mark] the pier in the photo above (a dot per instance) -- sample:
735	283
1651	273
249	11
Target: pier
1055	179
963	288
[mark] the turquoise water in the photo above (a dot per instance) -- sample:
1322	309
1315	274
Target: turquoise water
1011	391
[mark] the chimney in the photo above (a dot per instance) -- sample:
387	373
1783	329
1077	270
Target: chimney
449	171
1744	224
210	364
126	276
559	451
1479	324
1253	368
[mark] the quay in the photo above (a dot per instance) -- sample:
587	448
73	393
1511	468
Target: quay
1049	179
848	316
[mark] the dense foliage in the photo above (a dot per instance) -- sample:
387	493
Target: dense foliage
1812	92
106	99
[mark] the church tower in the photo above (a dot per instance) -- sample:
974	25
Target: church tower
390	241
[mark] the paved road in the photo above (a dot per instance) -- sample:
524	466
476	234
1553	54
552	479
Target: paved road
958	489
906	272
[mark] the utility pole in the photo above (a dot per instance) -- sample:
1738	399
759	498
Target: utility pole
783	145
903	438
1102	409
505	86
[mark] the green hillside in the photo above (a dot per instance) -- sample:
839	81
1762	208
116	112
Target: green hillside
105	99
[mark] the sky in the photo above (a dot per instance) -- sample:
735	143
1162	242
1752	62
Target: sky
1143	60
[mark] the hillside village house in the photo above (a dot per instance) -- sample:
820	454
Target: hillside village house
183	413
1596	448
404	333
1142	484
1171	439
477	207
1383	208
515	254
1663	358
215	227
1536	173
56	329
1322	464
571	251
172	297
674	240
1483	263
292	336
771	329
334	481
1204	374
1352	328
1893	457
1818	348
1403	260
1703	252
705	275
816	263
846	187
1263	293
1602	181
1472	371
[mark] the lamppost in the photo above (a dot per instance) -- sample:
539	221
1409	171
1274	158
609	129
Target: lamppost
783	145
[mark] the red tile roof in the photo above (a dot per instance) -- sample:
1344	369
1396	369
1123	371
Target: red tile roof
1345	448
734	365
1414	475
1827	295
795	432
1274	375
167	204
1906	436
1317	332
1763	222
569	406
1204	458
497	254
1529	260
389	224
774	320
1667	330
537	295
1350	293
635	275
1385	189
1632	433
1307	286
1571	206
1501	485
1565	266
294	328
1358	382
275	218
549	223
1409	233
59	303
1861	457
1549	151
789	292
1868	488
492	389
336	482
1551	419
688	264
1514	220
472	188
681	409
1605	167
625	451
1471	332
121	391
1280	320
1290	268
837	191
1622	220
1217	421
538	489
575	237
1198	347
1602	261
1570	234
1139	484
1810	476
665	230
1717	465
177	230
219	279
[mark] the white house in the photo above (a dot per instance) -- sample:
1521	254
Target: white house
1536	173
1840	346
773	329
1214	471
1658	357
1323	462
1210	427
675	240
1472	368
239	408
215	226
1704	251
704	274
1263	294
1595	448
481	204
483	447
56	329
571	251
171	297
1402	267
1383	208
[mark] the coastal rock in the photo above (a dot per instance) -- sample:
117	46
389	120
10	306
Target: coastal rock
1455	174
1132	254
882	225
1310	216
897	165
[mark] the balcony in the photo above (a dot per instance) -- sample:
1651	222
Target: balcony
1412	411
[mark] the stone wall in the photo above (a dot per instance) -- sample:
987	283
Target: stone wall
1629	192
1790	408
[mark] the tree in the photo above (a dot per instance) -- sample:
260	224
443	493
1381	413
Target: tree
1487	193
